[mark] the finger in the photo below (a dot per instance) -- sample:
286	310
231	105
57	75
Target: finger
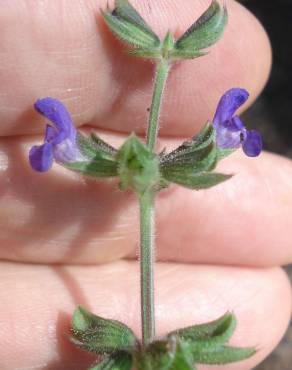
63	49
60	217
35	329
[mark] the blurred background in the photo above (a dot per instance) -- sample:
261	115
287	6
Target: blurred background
272	115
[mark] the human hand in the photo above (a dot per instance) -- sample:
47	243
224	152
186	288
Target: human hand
217	249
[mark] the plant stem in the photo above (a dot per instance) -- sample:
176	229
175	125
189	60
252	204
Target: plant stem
161	76
147	266
147	247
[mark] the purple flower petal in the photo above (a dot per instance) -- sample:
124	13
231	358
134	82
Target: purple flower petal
66	151
57	113
236	124
229	133
253	143
228	105
41	157
60	142
51	133
227	139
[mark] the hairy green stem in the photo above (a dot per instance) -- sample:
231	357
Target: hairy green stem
147	248
161	76
147	266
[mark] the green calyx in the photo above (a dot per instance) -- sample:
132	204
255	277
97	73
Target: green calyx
101	336
133	163
138	167
205	32
128	25
191	164
181	349
98	158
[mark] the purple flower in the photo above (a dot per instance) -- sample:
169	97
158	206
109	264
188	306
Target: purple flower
230	131
60	139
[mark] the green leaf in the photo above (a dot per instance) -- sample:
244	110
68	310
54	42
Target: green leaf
94	147
204	138
146	53
207	30
127	24
128	32
197	181
138	166
211	334
222	355
102	145
195	149
99	159
96	334
178	54
96	167
223	153
119	361
192	157
126	11
196	160
190	164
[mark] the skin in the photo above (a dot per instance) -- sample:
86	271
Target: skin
66	241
